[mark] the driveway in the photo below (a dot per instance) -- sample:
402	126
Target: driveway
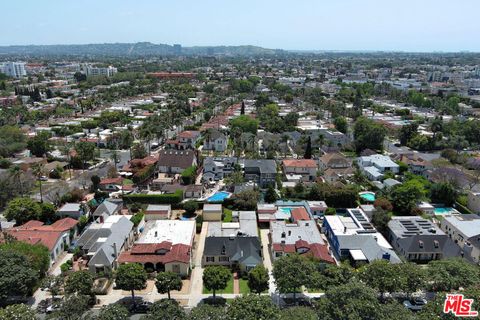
267	259
197	272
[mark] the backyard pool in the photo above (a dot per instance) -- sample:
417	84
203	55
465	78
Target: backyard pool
219	196
443	210
286	210
367	196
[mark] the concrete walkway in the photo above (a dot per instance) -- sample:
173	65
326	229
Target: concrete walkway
197	272
267	259
236	283
56	270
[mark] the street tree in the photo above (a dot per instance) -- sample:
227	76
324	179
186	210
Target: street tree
298	313
17	277
80	283
216	278
258	279
168	281
207	311
72	307
38	256
414	277
352	300
131	277
17	312
382	276
451	274
291	273
113	311
253	307
165	309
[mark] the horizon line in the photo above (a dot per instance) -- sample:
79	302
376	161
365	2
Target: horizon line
257	46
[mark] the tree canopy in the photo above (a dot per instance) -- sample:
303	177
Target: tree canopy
168	281
216	278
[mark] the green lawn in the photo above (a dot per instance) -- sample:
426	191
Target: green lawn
244	289
127	182
228	289
227	215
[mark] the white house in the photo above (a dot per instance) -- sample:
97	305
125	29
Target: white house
215	140
375	166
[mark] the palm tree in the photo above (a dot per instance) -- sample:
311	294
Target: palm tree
38	171
252	139
16	173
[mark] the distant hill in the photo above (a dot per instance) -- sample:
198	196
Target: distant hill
131	49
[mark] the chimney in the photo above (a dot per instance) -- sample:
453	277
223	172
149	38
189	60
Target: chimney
344	229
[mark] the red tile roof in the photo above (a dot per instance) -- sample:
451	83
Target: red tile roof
321	252
35	232
300	163
143	253
189	134
300	213
315	250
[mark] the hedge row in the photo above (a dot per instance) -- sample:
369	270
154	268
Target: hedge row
174	198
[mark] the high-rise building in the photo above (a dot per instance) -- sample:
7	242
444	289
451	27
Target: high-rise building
95	71
13	69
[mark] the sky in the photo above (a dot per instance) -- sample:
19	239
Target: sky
390	25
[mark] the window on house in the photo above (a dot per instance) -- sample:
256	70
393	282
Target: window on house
224	259
210	259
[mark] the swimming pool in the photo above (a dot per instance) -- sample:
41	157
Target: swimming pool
285	209
218	196
368	196
443	210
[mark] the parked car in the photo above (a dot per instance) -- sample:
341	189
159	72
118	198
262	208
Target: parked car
415	304
43	178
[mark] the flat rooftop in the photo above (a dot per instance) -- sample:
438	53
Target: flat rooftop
174	231
468	224
404	227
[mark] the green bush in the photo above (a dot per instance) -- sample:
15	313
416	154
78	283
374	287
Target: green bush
143	174
137	218
174	198
188	175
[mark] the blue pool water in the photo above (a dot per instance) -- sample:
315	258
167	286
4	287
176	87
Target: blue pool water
286	210
218	196
370	197
441	211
